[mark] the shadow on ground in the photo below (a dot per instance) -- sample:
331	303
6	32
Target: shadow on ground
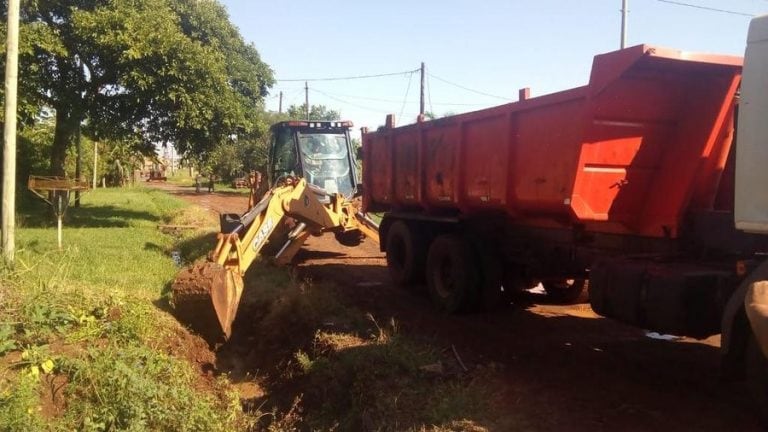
551	369
86	216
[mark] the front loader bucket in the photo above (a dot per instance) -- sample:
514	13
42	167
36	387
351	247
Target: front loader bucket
206	297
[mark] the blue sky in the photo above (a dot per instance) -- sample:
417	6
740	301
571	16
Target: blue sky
492	46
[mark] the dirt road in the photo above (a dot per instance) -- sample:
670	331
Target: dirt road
563	366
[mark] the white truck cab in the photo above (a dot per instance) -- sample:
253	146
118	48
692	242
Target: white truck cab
751	203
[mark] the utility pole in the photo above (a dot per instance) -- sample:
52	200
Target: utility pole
280	104
421	97
8	218
306	98
624	12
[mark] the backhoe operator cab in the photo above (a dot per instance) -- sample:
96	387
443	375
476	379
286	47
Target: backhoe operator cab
318	151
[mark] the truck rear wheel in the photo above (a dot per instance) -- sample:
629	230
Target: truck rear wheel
405	254
452	274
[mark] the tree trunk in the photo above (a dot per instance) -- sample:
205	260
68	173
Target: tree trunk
79	162
63	137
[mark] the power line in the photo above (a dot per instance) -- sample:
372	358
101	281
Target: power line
349	77
348	102
399	101
467	88
711	9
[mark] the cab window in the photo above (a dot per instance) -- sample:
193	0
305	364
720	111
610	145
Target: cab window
285	160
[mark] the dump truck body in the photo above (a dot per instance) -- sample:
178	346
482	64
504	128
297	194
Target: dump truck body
629	153
625	185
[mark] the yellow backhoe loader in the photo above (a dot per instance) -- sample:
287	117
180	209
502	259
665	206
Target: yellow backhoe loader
313	190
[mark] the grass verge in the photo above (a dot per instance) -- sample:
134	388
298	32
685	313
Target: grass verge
84	342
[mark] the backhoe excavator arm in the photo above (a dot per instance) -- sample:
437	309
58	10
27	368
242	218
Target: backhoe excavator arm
218	283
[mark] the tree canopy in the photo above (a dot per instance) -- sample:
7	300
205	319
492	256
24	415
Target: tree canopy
316	112
155	71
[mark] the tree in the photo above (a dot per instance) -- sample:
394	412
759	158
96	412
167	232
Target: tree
316	112
147	71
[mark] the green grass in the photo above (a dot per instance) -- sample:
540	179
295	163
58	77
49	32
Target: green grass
111	243
86	324
86	344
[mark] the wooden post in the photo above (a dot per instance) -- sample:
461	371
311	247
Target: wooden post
8	218
280	104
58	233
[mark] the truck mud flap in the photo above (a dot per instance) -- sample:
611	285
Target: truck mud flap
667	297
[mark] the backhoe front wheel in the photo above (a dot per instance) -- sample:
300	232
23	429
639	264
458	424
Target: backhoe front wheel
405	254
452	274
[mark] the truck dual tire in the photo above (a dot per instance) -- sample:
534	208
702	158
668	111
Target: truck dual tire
452	275
405	254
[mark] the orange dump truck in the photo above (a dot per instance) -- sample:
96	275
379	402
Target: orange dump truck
629	185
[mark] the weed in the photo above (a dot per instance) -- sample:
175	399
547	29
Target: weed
7	341
20	405
305	363
36	359
288	422
137	388
42	319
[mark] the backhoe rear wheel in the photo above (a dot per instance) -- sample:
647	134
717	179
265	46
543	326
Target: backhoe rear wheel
452	273
405	254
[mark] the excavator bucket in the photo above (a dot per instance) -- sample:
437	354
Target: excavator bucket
206	296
